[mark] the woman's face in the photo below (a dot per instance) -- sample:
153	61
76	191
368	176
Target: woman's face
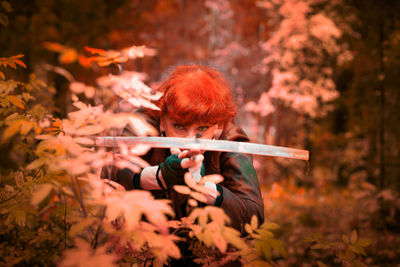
200	130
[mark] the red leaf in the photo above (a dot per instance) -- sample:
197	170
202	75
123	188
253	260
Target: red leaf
17	56
95	50
12	65
19	62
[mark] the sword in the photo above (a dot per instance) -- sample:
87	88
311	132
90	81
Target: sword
205	144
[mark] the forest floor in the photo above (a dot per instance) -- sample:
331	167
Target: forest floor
325	225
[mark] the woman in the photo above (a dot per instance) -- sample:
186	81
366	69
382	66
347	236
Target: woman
197	102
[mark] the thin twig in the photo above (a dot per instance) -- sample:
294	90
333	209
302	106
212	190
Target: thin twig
13	196
20	190
79	198
65	222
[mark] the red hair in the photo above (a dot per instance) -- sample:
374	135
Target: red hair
197	94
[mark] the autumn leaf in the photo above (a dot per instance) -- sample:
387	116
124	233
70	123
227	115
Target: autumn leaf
11	130
19	62
16	101
40	193
12	64
17	56
26	127
53	46
95	50
4	19
89	130
2	75
254	222
364	242
7	7
182	189
84	256
345	239
68	56
353	237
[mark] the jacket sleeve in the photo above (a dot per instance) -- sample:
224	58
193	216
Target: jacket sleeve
240	195
125	177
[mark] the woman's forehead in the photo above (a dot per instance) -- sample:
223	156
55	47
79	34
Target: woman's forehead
168	119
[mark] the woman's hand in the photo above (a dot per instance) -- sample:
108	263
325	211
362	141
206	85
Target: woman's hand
178	163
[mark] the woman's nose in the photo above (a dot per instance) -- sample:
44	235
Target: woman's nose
192	134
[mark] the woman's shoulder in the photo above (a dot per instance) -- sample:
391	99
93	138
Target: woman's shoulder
233	132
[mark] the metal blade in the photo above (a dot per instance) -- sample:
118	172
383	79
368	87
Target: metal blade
205	144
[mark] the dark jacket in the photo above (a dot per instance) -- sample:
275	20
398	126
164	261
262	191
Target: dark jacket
240	195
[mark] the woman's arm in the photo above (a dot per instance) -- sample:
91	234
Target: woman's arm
241	195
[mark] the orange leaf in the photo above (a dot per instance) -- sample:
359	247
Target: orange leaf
19	62
16	101
182	189
84	61
95	50
2	75
17	56
68	56
104	63
12	64
53	46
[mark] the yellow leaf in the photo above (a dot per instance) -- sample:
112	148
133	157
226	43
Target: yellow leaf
345	239
80	226
254	222
6	6
233	237
68	56
26	126
36	164
248	228
37	129
364	242
358	250
353	237
220	242
11	130
269	226
40	193
266	249
2	75
16	101
90	130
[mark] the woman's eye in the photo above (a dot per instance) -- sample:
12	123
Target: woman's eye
203	128
178	126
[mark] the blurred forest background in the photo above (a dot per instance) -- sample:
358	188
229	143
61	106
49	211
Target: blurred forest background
311	74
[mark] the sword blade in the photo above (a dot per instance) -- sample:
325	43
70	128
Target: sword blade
205	144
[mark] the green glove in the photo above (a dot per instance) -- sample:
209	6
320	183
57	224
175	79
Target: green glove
172	171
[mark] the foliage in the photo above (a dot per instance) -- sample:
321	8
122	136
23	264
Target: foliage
42	207
299	56
57	191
